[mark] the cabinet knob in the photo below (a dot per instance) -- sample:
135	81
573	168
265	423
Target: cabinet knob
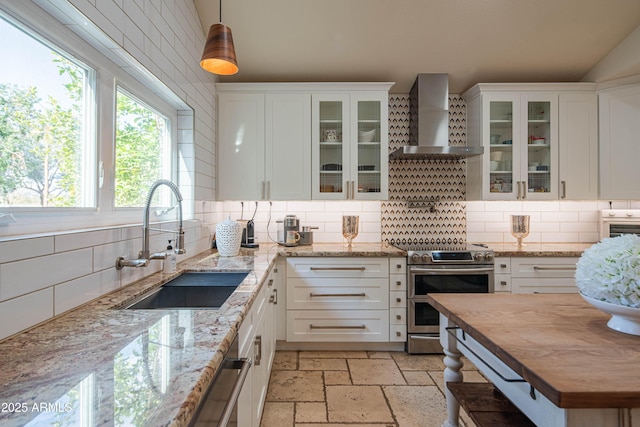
398	266
398	299
399	317
399	283
398	334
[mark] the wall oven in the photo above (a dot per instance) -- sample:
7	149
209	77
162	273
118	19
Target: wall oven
614	222
434	271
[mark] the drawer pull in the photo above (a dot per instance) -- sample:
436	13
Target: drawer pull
399	317
537	268
503	282
503	265
312	295
398	334
399	283
270	284
337	268
312	326
398	299
398	266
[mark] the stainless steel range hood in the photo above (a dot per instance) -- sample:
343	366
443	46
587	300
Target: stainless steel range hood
429	122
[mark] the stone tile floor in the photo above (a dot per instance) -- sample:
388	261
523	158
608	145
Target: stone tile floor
358	388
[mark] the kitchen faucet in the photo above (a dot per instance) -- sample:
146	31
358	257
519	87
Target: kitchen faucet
144	256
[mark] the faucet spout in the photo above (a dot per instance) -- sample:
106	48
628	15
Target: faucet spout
144	256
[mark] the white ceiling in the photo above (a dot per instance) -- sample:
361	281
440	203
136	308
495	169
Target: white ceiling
393	40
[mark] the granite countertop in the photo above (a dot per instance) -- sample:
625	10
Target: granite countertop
539	249
136	367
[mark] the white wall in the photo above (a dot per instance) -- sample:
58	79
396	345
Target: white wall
623	61
43	276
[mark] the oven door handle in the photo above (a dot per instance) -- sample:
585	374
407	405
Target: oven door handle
473	270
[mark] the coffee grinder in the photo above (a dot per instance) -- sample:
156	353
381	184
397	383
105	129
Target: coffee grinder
248	230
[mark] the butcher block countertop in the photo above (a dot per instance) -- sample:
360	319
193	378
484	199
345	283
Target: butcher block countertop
558	343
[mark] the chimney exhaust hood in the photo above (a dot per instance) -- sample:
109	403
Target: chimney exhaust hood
429	122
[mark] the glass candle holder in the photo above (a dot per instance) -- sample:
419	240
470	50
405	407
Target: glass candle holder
519	228
350	228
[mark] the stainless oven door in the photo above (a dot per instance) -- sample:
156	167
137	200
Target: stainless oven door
424	280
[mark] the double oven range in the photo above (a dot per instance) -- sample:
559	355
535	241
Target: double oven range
468	270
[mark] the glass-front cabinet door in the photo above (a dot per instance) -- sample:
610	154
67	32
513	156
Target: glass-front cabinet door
369	152
540	134
330	143
350	146
521	133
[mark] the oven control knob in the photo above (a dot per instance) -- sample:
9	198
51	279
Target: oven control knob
415	257
426	258
488	257
478	256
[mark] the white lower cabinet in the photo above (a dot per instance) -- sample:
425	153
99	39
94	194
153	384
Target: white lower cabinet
256	337
542	275
338	299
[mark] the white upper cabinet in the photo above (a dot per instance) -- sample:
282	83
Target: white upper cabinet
540	141
302	141
350	145
264	146
619	147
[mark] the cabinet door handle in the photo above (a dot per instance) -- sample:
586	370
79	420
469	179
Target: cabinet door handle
268	192
503	265
564	189
519	195
346	184
275	297
337	268
537	268
258	344
312	326
524	190
353	189
362	294
262	185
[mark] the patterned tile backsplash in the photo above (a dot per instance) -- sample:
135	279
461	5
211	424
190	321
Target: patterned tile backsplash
441	181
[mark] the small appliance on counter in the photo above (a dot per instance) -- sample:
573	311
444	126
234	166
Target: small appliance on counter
248	229
306	235
290	225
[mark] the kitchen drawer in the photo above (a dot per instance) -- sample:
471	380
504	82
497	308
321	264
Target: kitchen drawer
338	325
398	282
543	267
346	294
331	267
502	283
397	299
398	316
398	333
502	265
520	285
398	266
531	402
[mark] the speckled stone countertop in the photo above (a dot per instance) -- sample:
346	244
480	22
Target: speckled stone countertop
135	367
539	249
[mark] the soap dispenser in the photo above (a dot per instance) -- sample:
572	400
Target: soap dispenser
171	260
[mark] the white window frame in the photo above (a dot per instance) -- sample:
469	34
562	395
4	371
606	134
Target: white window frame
108	77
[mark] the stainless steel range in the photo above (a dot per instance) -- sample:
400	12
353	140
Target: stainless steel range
468	270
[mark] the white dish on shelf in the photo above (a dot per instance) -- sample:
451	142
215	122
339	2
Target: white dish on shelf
366	135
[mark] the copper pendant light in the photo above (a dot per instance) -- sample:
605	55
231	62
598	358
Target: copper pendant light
219	56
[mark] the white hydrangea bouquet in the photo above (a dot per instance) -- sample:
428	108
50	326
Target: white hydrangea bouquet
609	271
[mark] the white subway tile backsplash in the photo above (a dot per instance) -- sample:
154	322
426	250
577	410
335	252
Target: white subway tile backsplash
73	293
22	277
25	311
13	250
70	241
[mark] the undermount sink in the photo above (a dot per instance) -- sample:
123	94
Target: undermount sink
202	290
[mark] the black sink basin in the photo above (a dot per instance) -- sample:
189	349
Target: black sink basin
208	290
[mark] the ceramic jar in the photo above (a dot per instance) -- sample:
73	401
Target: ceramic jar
228	237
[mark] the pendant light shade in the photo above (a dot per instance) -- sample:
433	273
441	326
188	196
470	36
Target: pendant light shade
219	56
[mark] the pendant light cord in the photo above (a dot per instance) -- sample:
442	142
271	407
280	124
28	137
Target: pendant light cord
221	11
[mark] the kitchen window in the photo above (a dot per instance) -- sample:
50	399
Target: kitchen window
82	139
46	126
